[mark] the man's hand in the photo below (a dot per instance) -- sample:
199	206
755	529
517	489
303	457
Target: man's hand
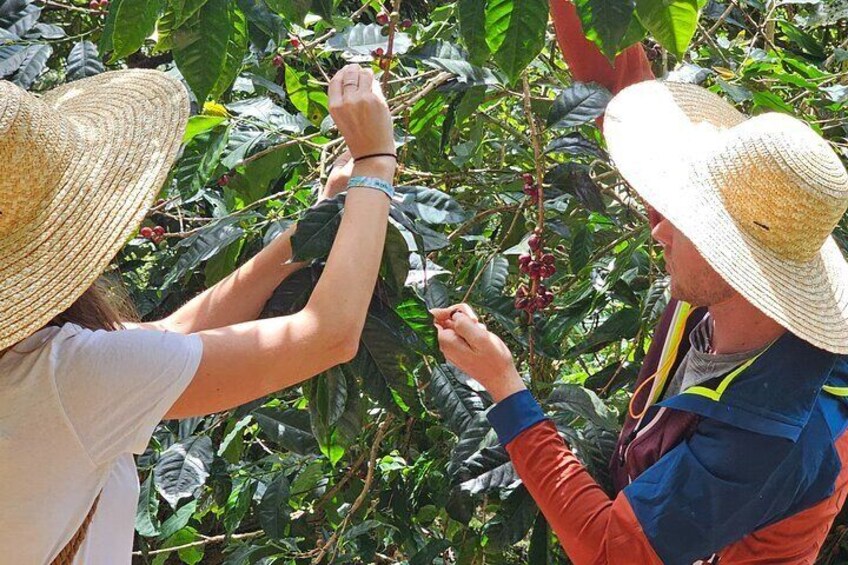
470	346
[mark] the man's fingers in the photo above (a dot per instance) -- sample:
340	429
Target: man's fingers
450	342
465	309
469	329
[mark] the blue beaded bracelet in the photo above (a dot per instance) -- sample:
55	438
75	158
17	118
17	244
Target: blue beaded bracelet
374	183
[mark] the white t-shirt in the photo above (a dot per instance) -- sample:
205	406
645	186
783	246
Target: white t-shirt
74	405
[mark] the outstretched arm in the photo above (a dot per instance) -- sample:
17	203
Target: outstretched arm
246	361
241	296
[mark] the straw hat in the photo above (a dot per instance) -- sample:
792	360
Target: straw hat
79	167
759	198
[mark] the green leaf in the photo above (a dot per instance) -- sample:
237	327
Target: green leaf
33	64
394	267
273	510
323	8
316	230
205	244
293	10
83	61
621	325
257	176
578	104
183	468
429	205
201	124
672	22
575	144
287	428
130	23
606	22
430	552
472	26
307	95
513	520
493	279
573	178
537	554
360	40
478	434
292	294
487	470
199	161
457	403
515	33
209	48
223	264
185	9
578	401
446	56
178	520
146	522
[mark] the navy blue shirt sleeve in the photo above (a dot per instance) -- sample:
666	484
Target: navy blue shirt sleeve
514	414
717	487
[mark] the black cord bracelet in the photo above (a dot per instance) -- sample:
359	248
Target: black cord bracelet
373	155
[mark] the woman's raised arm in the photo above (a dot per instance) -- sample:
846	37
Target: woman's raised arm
246	361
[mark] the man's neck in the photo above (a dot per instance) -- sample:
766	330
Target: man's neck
738	326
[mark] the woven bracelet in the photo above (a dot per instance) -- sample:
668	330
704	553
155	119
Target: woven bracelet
373	183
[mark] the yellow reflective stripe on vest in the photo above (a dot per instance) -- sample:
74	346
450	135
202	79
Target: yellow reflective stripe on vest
725	382
670	348
836	390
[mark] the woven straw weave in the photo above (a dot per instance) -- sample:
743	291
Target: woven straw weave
79	168
758	197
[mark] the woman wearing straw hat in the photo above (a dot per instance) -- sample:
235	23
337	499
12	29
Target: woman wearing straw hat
735	445
80	390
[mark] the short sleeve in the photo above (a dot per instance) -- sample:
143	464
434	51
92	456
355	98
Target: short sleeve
115	386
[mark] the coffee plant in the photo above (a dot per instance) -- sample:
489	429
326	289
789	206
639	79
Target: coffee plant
506	200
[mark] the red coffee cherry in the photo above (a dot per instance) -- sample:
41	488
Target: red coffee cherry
159	231
224	180
146	232
278	61
383	18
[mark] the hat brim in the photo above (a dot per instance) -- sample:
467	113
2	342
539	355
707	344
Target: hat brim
128	131
653	129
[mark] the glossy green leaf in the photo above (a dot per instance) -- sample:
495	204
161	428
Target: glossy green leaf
515	33
671	22
130	23
472	26
606	22
183	468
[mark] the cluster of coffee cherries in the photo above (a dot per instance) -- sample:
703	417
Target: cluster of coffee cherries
539	265
653	51
383	19
224	180
531	189
278	60
154	234
101	5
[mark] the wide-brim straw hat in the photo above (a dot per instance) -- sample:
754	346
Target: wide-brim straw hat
759	198
79	167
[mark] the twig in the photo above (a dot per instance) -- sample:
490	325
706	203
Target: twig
369	478
204	541
390	49
68	7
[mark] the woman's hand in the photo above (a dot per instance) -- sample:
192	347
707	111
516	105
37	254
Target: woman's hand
361	112
340	174
470	346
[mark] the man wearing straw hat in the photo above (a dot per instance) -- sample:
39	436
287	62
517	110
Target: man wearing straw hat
80	388
735	444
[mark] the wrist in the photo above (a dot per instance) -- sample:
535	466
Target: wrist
507	385
379	167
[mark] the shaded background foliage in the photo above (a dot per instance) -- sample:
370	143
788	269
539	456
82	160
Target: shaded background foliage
389	458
